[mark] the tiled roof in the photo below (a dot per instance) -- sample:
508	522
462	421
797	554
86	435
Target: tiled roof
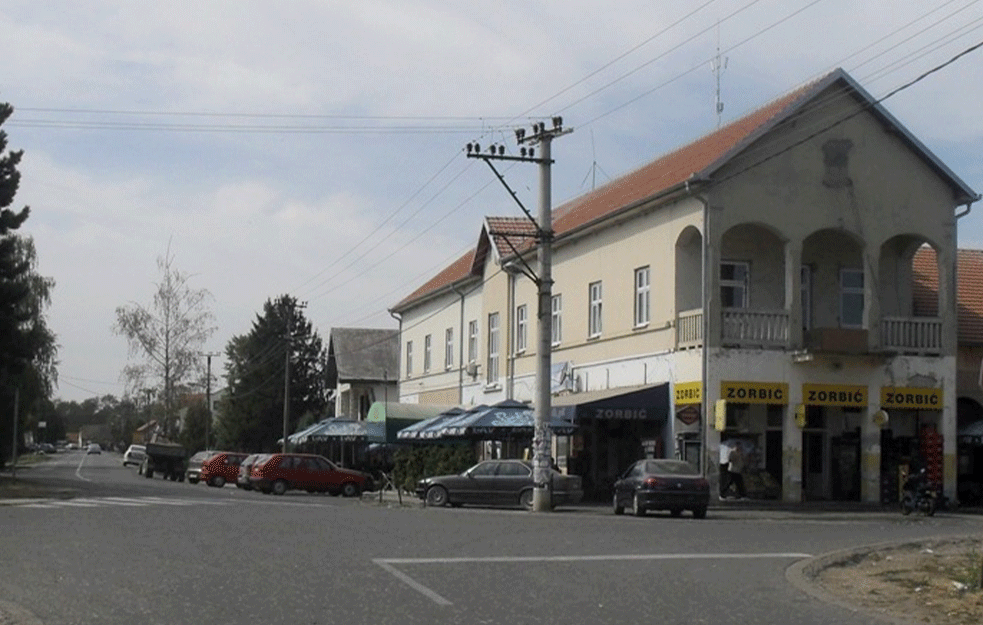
698	159
969	290
456	271
364	354
519	230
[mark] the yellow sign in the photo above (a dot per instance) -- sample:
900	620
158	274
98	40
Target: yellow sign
754	392
720	415
834	395
913	398
689	393
800	415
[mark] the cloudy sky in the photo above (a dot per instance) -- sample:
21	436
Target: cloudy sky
315	148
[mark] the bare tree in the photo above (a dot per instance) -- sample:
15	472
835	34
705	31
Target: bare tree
168	336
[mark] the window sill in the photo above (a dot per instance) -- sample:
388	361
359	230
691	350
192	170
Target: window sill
492	387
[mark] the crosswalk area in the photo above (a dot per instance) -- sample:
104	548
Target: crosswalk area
122	502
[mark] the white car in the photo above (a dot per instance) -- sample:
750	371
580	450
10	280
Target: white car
93	448
134	455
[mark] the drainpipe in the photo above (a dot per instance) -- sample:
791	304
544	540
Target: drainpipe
460	351
399	348
705	364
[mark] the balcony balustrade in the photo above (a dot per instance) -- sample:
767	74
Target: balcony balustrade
919	335
689	329
765	328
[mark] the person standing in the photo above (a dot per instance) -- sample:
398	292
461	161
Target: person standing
735	469
725	450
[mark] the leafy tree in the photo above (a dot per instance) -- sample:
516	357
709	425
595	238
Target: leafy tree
194	426
168	335
252	415
28	348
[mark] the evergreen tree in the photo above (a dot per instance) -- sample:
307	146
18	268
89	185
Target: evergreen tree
27	346
251	417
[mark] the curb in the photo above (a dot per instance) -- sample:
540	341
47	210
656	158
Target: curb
804	573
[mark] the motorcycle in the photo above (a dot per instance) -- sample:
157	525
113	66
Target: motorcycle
918	494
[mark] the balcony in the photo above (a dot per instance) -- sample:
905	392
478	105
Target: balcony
912	335
689	329
755	328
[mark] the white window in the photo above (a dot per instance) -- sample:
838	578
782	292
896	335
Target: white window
734	284
449	348
521	328
594	311
473	341
642	288
409	358
427	350
851	298
493	346
556	319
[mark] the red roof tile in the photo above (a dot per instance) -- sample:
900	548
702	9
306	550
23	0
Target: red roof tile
969	290
701	157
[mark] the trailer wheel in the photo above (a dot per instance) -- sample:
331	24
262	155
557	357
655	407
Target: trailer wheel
148	472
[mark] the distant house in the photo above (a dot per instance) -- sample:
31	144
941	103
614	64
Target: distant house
363	367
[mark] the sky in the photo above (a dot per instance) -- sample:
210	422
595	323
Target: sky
315	148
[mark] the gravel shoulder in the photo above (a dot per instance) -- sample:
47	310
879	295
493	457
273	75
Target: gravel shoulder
935	582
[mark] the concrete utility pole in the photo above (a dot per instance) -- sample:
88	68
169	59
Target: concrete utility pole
208	396
544	281
286	371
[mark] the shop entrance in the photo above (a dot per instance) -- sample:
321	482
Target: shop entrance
607	447
831	454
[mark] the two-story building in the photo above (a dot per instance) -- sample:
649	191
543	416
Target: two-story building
754	286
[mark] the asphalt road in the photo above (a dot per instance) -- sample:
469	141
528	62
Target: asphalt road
132	550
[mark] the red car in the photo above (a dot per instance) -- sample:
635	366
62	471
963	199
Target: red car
279	473
220	468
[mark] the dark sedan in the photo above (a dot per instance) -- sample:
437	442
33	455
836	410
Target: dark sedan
496	483
671	485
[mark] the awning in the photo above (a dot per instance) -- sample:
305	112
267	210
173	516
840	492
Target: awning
971	433
345	430
506	419
421	430
397	416
648	402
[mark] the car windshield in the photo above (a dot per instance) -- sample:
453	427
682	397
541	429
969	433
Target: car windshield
670	467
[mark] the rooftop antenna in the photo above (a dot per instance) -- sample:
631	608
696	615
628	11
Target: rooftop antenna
717	66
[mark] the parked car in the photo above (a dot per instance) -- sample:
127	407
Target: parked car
221	468
281	472
672	485
242	481
134	454
93	448
193	471
47	448
497	482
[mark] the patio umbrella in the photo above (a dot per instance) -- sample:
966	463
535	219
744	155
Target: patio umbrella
348	430
503	420
415	431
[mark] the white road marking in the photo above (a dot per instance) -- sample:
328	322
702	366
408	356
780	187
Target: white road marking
388	563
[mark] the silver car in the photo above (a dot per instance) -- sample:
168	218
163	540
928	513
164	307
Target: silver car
134	454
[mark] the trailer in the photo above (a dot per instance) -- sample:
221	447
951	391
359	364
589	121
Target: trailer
167	459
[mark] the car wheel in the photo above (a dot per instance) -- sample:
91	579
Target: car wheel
699	513
437	496
618	509
279	487
192	480
349	489
218	481
525	499
676	512
636	506
148	473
